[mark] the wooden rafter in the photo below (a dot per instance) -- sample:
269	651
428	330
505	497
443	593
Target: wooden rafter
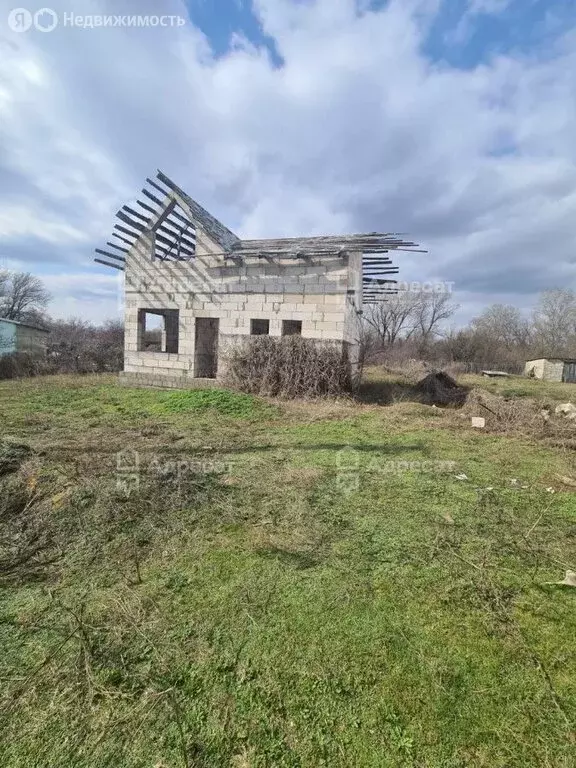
173	217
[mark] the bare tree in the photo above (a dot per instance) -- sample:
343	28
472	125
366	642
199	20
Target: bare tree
394	318
78	346
430	311
366	340
555	322
23	297
410	314
503	325
463	345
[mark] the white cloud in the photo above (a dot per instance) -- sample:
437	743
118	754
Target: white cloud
357	131
90	296
22	221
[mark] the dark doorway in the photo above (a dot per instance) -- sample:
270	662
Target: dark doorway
206	348
569	373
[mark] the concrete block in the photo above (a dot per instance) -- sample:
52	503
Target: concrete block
312	333
331	335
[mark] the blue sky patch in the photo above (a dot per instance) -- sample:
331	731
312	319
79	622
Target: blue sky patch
466	38
222	20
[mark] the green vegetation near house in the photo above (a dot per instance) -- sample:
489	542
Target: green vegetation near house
204	578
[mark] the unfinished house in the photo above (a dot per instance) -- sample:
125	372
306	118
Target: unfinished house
193	287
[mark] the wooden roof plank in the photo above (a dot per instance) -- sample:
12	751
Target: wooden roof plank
110	255
107	264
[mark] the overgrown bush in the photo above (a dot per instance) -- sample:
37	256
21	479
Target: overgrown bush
288	366
74	346
18	365
77	346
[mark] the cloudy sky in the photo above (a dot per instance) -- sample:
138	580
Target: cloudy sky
453	121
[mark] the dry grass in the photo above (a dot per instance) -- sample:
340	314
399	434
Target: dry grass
505	414
411	371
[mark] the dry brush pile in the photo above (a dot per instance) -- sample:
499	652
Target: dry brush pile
287	366
529	417
535	418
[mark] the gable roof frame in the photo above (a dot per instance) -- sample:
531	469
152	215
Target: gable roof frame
214	228
174	222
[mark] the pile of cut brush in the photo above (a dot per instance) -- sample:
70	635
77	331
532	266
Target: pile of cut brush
506	413
537	419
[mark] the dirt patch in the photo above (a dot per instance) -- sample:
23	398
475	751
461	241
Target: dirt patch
438	388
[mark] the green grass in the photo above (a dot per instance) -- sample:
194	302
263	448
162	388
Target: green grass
520	386
286	586
78	399
509	386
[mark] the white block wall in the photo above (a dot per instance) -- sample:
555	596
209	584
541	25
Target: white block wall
550	370
312	290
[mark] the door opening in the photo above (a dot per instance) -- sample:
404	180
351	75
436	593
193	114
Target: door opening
206	348
569	372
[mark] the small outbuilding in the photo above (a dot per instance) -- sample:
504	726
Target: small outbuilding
552	369
22	337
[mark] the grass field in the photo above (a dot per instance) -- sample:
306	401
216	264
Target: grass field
507	386
204	578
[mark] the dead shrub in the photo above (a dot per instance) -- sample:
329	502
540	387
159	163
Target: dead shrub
18	365
520	415
288	366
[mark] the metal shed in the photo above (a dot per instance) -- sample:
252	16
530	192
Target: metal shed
21	337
